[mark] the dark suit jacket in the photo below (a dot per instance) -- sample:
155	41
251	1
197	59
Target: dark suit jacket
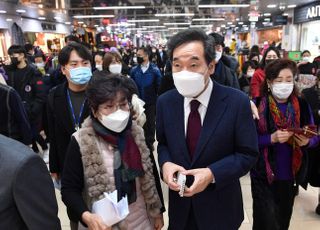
27	198
227	145
61	127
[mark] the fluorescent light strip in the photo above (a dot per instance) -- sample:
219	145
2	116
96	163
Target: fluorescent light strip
178	28
143	20
176	23
198	26
80	22
223	26
67	23
147	31
136	28
58	18
21	11
153	26
207	19
267	14
292	6
94	16
122	24
3	12
9	20
272	6
240	23
161	30
41	18
118	7
225	6
175	15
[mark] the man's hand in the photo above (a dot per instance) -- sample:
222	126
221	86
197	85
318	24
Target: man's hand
158	222
280	136
301	140
94	221
255	112
202	178
168	170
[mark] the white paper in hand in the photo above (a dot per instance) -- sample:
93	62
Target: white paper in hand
110	210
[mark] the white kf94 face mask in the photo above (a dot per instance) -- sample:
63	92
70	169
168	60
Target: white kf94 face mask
189	84
116	121
115	68
282	90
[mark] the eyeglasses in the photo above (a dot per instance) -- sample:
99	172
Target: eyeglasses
114	107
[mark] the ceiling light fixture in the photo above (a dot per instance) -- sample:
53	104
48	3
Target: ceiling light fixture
94	16
96	25
58	18
21	11
143	20
3	12
272	6
178	28
67	23
41	18
175	15
80	22
223	26
240	23
285	14
153	26
136	28
122	24
292	6
176	23
9	20
118	7
229	23
267	14
207	19
225	6
198	26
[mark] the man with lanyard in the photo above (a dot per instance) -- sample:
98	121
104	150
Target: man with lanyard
67	106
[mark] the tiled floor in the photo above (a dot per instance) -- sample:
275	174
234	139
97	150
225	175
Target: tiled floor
303	217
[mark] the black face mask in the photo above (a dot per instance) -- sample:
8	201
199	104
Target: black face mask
140	60
15	61
269	61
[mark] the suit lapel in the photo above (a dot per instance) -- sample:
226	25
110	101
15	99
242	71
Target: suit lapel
178	115
215	110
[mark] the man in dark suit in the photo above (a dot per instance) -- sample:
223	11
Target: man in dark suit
205	131
27	199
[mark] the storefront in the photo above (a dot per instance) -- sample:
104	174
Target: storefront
308	18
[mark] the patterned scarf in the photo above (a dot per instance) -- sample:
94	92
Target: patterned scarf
268	108
127	158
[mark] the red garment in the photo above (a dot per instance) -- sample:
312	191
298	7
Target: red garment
256	83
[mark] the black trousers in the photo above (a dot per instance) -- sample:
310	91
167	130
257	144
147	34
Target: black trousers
272	204
150	125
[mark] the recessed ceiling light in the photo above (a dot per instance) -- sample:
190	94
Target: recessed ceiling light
84	25
237	19
9	20
223	26
40	6
58	18
175	15
21	11
229	23
94	16
240	23
207	19
67	23
224	6
285	14
143	20
272	6
118	7
267	19
267	14
41	18
198	26
96	25
80	22
292	6
3	12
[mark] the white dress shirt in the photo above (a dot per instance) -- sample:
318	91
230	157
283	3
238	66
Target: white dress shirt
144	68
204	99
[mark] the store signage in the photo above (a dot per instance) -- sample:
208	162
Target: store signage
47	26
307	13
280	20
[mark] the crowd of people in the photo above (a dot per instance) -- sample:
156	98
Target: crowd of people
95	115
